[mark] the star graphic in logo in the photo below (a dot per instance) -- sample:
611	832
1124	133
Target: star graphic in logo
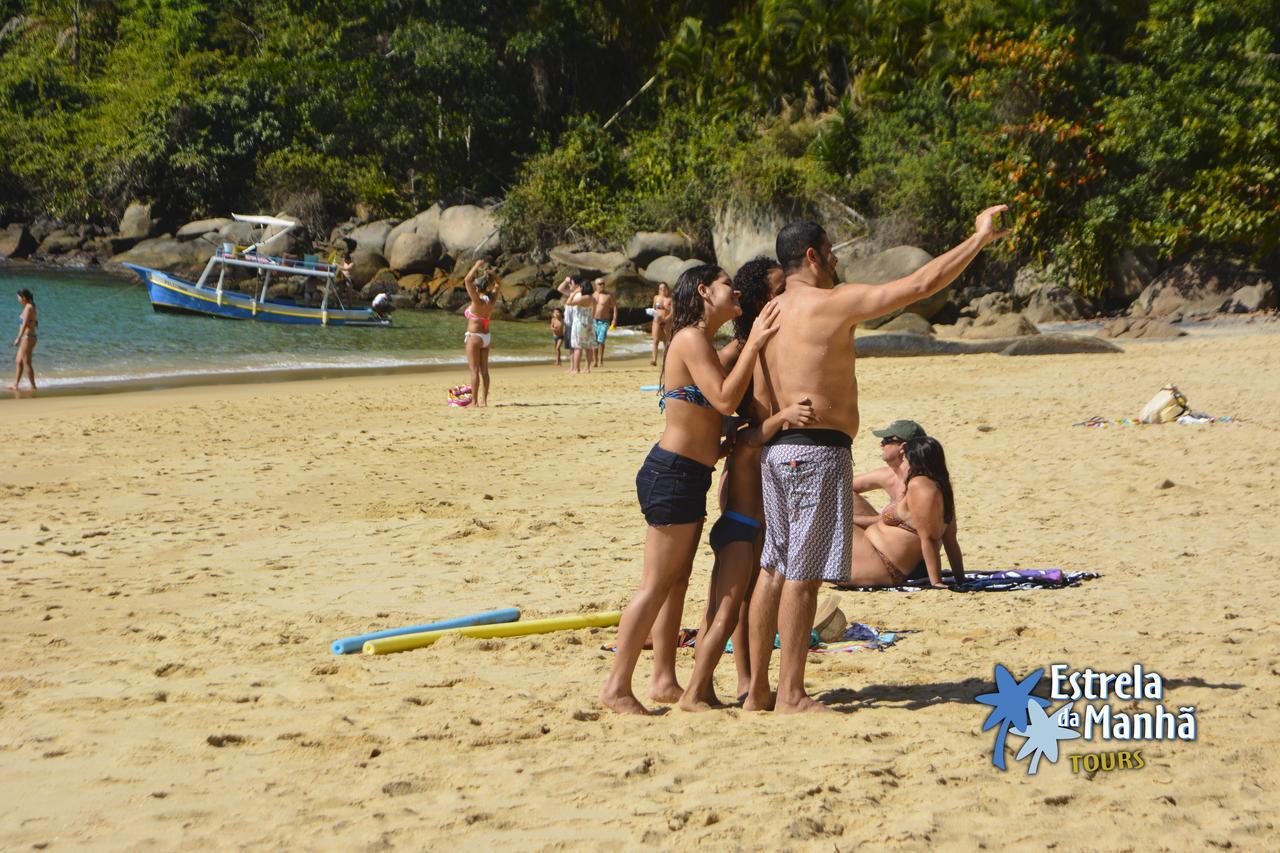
1042	734
1009	707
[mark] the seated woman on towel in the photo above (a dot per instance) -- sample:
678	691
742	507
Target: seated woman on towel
913	527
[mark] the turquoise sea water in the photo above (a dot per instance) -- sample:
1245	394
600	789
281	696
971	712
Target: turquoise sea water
97	329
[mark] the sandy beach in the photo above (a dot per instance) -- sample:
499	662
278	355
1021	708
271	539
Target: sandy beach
177	562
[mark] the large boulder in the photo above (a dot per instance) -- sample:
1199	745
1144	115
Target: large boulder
426	225
739	235
372	237
633	293
1255	297
451	298
647	246
1054	303
1058	344
364	266
137	221
294	241
414	252
168	254
992	326
668	268
908	323
201	227
59	243
1201	284
891	265
899	345
1129	276
240	233
532	303
589	264
1146	328
16	242
468	231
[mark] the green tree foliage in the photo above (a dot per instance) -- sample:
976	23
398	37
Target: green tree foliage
1106	124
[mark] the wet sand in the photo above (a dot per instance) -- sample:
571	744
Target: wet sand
176	563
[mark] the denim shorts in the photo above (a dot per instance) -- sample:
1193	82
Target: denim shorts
672	488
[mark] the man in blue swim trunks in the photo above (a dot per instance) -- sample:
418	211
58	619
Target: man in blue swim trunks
606	317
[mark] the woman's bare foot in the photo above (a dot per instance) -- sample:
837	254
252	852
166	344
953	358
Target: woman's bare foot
667	694
705	702
624	703
759	702
807	705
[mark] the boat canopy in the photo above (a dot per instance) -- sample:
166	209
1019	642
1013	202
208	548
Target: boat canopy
263	220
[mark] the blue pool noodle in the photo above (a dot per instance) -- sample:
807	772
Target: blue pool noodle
353	645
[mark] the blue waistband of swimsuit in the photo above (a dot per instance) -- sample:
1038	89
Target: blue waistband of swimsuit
737	516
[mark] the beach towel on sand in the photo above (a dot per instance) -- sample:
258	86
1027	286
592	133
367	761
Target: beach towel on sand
998	581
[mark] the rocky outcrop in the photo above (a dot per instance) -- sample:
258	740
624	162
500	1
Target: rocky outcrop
414	253
16	242
902	345
668	268
645	247
1147	328
1129	276
911	324
202	227
1058	344
468	231
1199	285
1255	297
989	326
169	254
425	225
891	265
589	264
371	237
739	235
364	266
137	222
1055	303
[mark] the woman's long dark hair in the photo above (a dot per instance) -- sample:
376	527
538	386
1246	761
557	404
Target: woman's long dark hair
26	295
926	459
687	309
686	305
752	284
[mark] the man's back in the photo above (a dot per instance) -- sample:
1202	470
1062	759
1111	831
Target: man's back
811	356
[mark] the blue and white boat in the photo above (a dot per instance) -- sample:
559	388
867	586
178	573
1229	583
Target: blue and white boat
176	295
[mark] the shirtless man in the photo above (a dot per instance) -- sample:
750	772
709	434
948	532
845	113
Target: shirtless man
807	473
892	477
605	316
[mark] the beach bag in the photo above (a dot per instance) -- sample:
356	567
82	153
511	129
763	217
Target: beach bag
460	396
1165	407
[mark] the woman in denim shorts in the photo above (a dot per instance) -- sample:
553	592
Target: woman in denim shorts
672	483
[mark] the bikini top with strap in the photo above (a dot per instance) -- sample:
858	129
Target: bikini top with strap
687	393
485	320
890	517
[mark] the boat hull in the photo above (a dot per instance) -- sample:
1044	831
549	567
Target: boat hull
170	294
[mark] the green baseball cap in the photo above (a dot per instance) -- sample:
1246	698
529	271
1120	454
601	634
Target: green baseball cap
902	430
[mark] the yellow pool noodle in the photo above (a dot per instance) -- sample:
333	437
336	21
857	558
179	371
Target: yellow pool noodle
406	642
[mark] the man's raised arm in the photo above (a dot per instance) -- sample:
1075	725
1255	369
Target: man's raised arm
866	301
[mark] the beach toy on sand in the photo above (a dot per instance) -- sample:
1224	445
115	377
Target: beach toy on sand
351	645
515	629
460	395
648	387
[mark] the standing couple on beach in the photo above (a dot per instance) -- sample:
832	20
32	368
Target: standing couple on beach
792	375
